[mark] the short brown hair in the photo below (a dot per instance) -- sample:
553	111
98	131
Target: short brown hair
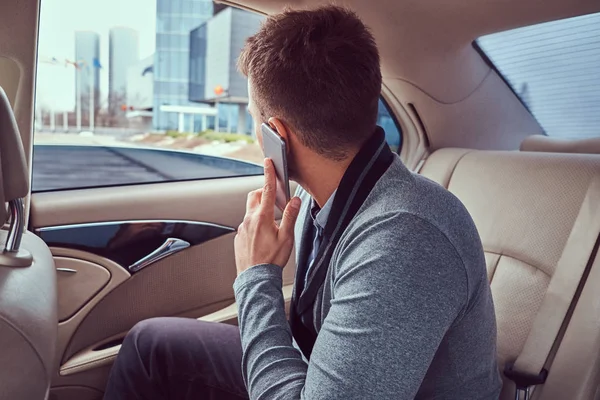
319	72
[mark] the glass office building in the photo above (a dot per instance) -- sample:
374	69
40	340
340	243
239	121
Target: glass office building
123	52
214	79
87	49
198	43
174	21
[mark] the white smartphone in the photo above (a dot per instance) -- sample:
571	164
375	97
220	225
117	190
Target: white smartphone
275	149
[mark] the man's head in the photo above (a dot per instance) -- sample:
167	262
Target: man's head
316	73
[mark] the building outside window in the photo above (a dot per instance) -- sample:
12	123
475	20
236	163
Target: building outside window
214	49
87	75
123	49
174	21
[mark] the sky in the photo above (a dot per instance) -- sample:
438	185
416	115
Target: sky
59	19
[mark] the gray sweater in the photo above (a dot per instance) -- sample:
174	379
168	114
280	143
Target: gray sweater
405	310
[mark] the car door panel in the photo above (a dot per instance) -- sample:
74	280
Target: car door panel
133	244
77	281
195	282
67	328
192	282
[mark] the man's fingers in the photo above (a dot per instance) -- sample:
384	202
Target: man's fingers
269	190
290	214
253	200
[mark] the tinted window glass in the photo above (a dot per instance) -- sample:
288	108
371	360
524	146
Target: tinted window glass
393	134
555	69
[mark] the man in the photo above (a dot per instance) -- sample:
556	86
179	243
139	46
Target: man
391	298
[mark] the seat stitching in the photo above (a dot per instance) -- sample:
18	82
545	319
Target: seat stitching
495	265
22	334
520	260
456	165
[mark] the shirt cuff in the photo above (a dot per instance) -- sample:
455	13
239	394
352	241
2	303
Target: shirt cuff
260	272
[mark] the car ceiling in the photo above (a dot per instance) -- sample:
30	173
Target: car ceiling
422	41
430	65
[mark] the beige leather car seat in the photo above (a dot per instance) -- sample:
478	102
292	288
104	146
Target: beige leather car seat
527	207
28	302
549	144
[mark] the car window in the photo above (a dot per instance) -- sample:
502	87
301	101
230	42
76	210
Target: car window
393	133
554	68
147	94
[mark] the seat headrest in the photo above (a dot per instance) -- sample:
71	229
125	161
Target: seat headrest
14	178
554	145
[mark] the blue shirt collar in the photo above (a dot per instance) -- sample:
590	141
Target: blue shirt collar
320	215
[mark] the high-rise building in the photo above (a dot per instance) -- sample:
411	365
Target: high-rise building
214	49
87	76
140	94
123	52
140	84
174	21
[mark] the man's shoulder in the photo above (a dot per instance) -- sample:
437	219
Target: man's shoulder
411	196
414	218
397	233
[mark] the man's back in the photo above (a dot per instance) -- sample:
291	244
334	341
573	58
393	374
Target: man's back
407	295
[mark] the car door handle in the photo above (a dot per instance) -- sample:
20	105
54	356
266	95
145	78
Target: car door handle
69	270
169	247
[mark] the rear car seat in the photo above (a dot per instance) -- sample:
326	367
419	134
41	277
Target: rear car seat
525	206
28	297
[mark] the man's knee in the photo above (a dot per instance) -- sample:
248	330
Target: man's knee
168	343
158	351
148	339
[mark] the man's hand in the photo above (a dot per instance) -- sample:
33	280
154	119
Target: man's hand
259	240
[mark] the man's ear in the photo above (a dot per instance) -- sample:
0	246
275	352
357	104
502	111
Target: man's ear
279	126
293	147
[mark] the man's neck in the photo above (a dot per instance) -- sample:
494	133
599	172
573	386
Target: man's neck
323	177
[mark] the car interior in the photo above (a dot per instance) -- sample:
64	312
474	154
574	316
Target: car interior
82	266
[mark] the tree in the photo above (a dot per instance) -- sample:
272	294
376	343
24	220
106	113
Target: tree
117	109
85	107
